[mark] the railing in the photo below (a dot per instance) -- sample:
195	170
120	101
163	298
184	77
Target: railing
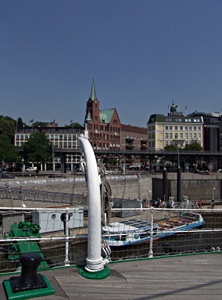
63	234
41	196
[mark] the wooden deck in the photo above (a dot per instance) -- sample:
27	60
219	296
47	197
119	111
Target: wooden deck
191	277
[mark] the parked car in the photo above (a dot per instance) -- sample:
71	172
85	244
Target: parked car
7	175
31	169
56	176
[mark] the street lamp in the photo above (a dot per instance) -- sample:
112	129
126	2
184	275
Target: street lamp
178	158
22	166
149	198
213	192
178	176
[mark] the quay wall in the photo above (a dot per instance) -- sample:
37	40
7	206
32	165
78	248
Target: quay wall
194	189
123	187
129	186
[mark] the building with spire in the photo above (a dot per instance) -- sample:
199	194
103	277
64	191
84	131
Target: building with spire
106	131
103	126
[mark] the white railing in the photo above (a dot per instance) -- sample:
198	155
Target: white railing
67	245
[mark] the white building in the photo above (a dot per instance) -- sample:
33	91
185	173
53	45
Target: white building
175	128
60	137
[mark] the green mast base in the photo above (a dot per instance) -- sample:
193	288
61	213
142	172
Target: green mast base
93	275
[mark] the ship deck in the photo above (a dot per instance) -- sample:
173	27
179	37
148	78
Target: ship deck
173	277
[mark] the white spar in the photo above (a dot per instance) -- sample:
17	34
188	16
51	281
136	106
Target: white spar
94	260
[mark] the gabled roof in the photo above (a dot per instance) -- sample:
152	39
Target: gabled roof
106	115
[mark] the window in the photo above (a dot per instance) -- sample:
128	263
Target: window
166	135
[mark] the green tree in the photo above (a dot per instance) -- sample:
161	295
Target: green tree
194	146
8	153
172	147
40	124
38	148
7	128
7	150
20	123
175	150
73	125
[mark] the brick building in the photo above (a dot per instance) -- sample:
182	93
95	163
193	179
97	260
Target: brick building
103	125
106	131
134	138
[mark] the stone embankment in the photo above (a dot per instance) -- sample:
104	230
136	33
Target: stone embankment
132	186
123	187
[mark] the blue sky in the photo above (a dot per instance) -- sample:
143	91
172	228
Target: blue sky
141	54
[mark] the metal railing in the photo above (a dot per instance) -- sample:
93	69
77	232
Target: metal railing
66	243
41	196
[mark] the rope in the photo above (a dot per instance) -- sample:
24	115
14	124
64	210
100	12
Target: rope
106	194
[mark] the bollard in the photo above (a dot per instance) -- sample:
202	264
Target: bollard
29	284
29	278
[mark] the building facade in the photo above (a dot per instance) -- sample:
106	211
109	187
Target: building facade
103	126
134	138
212	130
106	131
60	137
175	128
